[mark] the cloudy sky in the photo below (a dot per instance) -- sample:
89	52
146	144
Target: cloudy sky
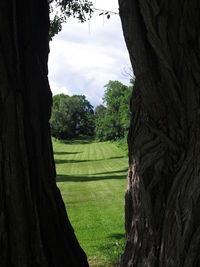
85	56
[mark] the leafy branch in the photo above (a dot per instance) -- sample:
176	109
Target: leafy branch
61	10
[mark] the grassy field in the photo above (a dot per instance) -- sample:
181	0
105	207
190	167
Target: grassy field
92	180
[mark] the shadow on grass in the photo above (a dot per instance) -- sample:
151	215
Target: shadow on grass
66	153
87	178
63	161
78	141
117	236
117	171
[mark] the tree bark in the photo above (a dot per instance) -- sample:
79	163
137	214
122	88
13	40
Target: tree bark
163	193
34	227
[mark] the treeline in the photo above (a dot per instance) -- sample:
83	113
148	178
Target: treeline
73	116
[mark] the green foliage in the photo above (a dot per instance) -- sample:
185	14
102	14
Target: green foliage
61	10
122	144
99	121
71	116
112	121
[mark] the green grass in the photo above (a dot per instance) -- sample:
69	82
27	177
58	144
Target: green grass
92	179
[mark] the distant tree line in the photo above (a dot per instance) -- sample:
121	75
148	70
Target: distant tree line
73	116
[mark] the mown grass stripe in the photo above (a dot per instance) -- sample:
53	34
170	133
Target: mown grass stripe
92	180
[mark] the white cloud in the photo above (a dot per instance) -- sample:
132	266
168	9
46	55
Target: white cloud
84	57
59	89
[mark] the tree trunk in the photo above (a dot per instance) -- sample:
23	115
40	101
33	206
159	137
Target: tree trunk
34	227
163	194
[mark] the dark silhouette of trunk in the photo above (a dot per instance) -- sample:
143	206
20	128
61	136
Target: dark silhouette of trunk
34	227
162	216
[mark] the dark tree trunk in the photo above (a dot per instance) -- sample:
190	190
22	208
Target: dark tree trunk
163	193
34	227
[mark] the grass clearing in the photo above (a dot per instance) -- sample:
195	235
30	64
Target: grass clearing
92	179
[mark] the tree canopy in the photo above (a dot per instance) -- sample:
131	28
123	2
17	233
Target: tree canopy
112	121
71	116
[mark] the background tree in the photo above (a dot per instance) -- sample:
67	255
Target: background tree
62	123
163	196
99	121
34	227
113	121
83	115
71	116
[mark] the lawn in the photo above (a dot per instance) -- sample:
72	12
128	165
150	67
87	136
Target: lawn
92	179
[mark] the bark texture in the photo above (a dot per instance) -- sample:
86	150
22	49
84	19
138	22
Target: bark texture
34	227
163	194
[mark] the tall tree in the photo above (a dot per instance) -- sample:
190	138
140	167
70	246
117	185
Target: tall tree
99	122
34	227
113	121
62	124
116	100
83	115
163	192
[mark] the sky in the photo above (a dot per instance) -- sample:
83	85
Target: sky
85	56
